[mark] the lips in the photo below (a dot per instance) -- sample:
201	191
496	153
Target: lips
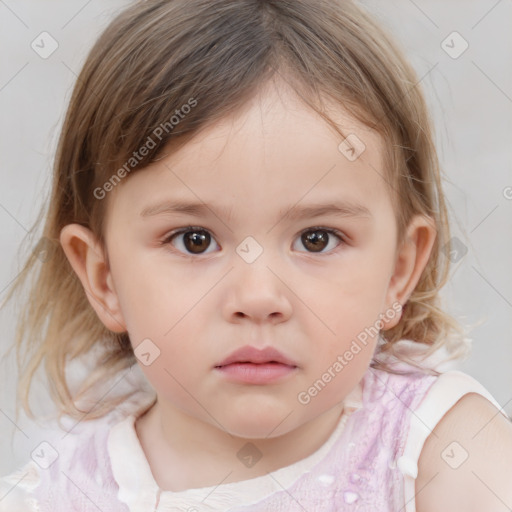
249	366
253	355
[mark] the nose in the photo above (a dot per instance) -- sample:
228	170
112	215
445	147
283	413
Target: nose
257	293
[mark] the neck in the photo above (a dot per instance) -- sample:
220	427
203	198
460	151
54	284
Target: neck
184	452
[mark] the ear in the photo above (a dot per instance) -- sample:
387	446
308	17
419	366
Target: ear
411	259
90	264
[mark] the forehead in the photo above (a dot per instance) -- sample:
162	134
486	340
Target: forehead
275	151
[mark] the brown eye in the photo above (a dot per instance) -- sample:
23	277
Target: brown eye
190	240
317	239
196	241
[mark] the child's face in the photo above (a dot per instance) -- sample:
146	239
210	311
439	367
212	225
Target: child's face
198	307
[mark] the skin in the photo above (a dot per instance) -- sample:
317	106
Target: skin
198	308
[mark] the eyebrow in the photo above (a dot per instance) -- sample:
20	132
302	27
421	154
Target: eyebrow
338	209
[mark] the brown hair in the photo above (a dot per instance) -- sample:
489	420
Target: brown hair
155	58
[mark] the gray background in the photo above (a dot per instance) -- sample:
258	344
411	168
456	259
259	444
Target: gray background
471	101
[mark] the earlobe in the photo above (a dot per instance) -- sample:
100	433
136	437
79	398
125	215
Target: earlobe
89	263
411	260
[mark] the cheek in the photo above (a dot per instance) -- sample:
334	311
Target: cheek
349	300
161	304
344	320
154	296
174	379
166	343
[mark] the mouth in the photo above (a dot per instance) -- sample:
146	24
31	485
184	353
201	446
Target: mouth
252	355
254	366
256	373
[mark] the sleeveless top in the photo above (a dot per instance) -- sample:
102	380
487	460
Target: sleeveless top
368	464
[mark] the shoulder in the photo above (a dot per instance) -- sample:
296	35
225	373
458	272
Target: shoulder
16	489
466	461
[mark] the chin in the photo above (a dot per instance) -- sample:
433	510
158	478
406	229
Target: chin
255	424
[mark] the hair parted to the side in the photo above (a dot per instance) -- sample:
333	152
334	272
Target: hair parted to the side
160	55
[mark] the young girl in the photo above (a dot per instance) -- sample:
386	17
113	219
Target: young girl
247	207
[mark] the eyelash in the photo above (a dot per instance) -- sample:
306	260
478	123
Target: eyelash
331	231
